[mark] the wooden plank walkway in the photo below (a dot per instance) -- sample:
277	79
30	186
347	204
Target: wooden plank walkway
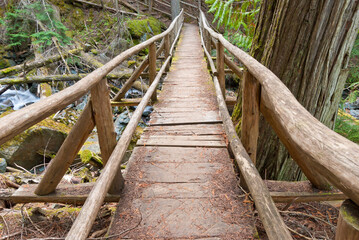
180	182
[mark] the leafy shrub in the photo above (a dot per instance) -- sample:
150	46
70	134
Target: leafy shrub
347	126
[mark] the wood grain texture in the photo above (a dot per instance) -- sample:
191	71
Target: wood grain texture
268	212
65	193
127	102
152	67
323	155
67	152
250	117
291	197
237	70
102	112
220	67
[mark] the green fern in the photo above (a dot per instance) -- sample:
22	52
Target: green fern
238	18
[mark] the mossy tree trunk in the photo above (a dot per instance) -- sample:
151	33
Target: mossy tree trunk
307	44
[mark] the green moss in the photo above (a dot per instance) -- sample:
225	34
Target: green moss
139	27
130	63
49	123
7	70
94	51
45	90
89	157
347	126
4	63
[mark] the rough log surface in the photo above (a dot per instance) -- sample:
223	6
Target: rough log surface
324	155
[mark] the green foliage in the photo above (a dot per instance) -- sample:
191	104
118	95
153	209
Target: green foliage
347	126
352	83
140	27
238	17
35	21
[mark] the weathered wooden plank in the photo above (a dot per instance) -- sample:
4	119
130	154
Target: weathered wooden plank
196	129
147	137
181	143
287	197
65	193
127	102
177	154
183	121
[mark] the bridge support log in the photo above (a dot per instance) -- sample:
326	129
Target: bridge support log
167	46
136	74
152	67
102	111
250	119
67	153
348	223
220	68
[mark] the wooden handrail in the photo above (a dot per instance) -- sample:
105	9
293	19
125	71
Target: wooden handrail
15	123
268	212
83	223
322	154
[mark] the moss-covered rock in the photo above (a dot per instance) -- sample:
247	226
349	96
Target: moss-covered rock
47	136
90	157
140	27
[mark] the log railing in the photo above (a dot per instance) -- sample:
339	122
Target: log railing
272	221
97	112
324	156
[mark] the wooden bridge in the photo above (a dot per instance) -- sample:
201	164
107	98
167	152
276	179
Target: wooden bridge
180	182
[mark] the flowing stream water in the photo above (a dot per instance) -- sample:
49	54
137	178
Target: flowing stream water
16	99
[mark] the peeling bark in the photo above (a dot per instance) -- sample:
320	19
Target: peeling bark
306	43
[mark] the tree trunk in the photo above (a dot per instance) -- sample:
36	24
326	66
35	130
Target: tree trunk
175	8
307	44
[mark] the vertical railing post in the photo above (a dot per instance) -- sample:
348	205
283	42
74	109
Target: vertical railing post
167	46
150	6
152	67
220	68
102	111
348	223
250	116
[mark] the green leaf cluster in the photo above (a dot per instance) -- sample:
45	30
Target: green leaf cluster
34	22
238	17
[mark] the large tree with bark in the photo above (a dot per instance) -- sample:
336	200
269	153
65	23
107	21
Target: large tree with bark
307	44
